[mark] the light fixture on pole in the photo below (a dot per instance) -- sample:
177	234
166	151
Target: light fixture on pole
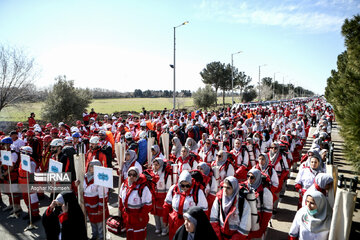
232	76
289	85
260	79
173	66
283	87
273	85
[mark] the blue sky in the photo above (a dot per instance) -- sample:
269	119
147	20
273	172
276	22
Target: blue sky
125	45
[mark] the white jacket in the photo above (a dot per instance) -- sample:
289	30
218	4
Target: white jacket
298	230
243	226
189	200
134	201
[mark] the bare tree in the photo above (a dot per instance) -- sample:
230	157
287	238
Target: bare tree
16	76
266	92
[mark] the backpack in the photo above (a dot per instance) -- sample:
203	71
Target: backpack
241	199
195	192
142	153
106	150
150	181
198	177
167	169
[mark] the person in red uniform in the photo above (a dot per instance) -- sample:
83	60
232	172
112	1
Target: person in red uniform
135	205
5	178
31	120
35	145
54	132
180	197
23	179
120	133
210	184
162	187
94	199
86	117
264	201
94	153
93	114
46	154
19	129
231	212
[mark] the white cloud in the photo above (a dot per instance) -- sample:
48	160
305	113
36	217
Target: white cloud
319	16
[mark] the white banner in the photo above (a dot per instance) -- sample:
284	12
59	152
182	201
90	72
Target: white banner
55	166
6	158
165	143
103	176
150	143
25	163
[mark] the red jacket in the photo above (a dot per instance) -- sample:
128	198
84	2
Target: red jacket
95	154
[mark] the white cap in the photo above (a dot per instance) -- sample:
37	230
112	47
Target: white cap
94	139
128	135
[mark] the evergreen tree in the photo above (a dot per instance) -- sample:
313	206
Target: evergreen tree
204	97
343	88
65	102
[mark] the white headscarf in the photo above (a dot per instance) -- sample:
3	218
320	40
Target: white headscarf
257	175
206	147
128	163
156	148
321	220
90	175
263	168
176	148
191	144
274	156
137	173
227	201
320	166
161	163
223	160
184	176
205	168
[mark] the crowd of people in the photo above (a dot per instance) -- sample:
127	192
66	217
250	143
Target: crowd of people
223	177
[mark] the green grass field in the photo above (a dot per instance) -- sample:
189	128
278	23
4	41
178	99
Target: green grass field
22	111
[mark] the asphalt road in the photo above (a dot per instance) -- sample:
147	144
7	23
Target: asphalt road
11	229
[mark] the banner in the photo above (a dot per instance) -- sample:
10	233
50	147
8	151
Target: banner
55	166
150	143
6	158
25	163
165	142
79	164
342	214
103	176
117	151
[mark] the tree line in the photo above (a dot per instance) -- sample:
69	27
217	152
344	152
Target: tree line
343	88
17	74
224	77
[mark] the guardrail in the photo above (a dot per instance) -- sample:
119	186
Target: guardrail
342	180
330	158
352	186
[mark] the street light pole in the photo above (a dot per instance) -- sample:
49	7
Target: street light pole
174	66
260	80
273	87
283	87
232	76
